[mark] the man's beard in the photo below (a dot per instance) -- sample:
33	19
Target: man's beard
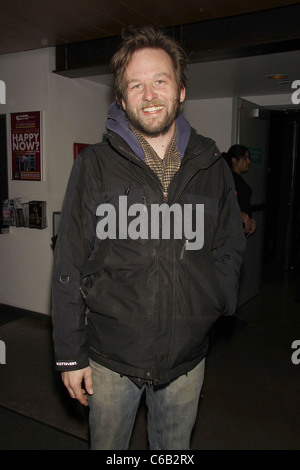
155	127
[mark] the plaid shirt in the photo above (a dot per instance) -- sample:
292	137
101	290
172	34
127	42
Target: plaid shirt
164	168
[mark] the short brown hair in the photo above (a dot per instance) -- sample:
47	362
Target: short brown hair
142	38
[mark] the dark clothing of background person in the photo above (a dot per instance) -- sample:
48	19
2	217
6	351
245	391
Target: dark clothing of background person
238	159
243	193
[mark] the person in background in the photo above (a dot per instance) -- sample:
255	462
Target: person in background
238	159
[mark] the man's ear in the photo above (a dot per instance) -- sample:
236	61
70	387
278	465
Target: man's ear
123	104
182	94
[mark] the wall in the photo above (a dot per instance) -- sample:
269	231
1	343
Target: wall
211	118
73	111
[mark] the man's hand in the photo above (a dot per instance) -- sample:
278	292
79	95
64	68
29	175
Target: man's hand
75	379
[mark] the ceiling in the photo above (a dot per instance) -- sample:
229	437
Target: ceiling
34	24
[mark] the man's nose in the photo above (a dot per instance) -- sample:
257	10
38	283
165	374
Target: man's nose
149	93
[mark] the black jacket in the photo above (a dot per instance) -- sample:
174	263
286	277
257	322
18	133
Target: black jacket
143	307
243	192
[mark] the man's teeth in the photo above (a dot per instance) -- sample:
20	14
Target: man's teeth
152	109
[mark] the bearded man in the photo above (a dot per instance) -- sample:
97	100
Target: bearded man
132	314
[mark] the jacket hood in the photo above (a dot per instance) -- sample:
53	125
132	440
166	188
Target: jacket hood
117	122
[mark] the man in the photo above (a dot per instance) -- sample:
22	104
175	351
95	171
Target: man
148	255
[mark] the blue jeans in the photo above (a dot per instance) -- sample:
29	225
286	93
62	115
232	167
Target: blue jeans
172	410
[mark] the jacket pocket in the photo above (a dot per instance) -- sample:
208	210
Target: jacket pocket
228	270
200	291
127	284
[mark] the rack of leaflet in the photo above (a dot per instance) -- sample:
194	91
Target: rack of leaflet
17	213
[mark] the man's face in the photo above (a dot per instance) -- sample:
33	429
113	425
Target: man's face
152	99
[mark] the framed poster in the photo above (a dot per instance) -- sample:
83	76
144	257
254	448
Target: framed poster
26	146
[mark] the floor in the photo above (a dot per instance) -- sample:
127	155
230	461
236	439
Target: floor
249	401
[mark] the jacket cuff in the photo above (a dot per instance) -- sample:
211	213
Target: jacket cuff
68	365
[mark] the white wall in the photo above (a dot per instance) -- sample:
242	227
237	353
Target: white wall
73	111
211	118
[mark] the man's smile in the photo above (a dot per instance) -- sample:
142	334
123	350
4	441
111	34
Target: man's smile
152	109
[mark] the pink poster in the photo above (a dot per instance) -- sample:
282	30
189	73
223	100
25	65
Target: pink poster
26	146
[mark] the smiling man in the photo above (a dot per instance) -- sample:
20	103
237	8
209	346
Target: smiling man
131	314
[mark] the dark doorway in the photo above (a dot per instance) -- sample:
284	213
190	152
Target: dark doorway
282	224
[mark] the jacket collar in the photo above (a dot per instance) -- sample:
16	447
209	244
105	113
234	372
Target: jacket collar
201	151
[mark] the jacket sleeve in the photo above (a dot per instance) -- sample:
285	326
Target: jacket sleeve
72	249
229	241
